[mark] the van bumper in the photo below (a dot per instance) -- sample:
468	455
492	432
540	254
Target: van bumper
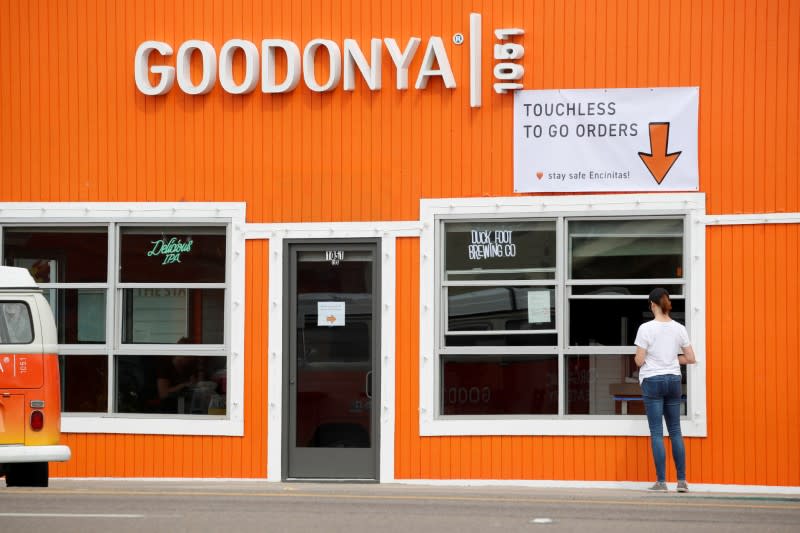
33	454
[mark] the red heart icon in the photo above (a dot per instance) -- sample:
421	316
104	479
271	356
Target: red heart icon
539	174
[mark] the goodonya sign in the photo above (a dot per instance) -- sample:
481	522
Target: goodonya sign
342	62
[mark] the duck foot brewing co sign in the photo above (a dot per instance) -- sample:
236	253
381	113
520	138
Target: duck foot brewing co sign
606	140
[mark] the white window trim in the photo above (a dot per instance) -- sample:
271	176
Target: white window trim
690	205
183	213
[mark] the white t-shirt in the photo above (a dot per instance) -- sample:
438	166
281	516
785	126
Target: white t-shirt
663	342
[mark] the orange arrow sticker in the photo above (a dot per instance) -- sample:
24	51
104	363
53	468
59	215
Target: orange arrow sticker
658	161
331	319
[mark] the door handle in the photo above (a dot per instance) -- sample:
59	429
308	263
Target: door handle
368	387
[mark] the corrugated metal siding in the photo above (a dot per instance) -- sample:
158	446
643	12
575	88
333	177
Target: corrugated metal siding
76	128
194	456
753	345
753	393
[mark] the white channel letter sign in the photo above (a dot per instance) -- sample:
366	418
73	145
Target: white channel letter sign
343	62
598	140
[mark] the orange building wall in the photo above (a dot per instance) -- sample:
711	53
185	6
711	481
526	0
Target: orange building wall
76	129
73	127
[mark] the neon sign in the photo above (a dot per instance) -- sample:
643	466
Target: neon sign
170	250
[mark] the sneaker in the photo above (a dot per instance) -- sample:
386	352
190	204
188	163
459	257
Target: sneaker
658	485
682	486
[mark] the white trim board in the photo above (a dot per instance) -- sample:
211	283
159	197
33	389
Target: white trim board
752	218
33	212
333	230
689	205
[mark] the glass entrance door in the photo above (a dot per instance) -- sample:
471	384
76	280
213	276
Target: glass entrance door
333	334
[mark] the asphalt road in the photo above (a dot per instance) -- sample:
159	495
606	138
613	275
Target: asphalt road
241	506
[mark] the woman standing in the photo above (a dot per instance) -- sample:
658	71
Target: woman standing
659	343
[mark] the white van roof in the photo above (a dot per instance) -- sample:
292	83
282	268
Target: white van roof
16	278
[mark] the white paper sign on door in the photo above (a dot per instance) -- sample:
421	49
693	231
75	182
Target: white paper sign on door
330	313
602	140
538	306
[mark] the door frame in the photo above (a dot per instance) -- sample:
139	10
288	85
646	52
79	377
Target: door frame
288	276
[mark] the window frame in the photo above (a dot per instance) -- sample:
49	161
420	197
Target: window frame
114	217
435	213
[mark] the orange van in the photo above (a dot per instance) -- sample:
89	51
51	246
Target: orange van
30	401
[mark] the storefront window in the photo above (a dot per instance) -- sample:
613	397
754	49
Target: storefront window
508	250
58	255
570	319
170	290
80	315
84	383
626	249
172	255
500	385
171	384
173	316
604	384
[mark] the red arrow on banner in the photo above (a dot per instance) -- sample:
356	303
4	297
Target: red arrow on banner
658	161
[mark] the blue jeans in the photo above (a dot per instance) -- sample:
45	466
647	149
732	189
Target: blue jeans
662	397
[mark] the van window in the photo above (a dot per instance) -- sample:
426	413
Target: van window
15	323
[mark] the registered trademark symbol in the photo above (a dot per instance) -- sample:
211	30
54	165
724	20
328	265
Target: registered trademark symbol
458	38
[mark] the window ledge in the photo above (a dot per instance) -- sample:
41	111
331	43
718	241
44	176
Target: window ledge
599	426
152	426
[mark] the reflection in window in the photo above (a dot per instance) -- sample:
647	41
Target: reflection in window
173	316
15	323
612	322
500	308
84	383
499	385
626	249
80	315
640	290
64	255
176	384
605	385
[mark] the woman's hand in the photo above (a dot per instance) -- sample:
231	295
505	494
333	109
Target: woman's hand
687	358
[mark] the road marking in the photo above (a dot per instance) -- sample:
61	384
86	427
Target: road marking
68	515
677	501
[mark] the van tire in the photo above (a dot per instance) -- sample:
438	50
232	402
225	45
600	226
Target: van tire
27	475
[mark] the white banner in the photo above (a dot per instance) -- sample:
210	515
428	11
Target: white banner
594	140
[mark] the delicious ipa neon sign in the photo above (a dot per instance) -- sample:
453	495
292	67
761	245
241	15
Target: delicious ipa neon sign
170	250
342	64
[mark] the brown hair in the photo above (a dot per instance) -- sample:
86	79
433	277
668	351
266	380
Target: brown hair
660	297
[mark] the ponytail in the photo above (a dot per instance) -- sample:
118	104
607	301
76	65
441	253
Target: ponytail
660	297
665	304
